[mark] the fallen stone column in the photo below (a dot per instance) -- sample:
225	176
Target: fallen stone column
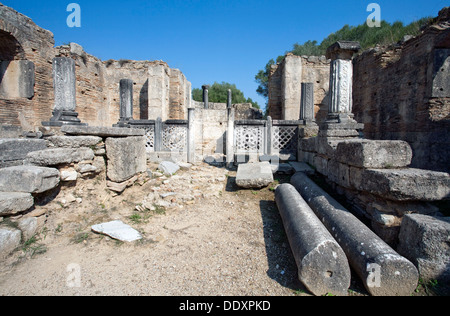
383	271
322	265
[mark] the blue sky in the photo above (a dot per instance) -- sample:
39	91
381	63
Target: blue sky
213	40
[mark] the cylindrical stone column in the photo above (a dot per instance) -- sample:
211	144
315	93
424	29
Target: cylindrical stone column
229	99
126	100
383	271
230	137
322	265
307	103
191	136
206	96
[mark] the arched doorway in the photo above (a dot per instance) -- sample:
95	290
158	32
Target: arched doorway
16	73
10	48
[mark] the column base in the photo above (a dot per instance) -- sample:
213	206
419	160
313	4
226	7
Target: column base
61	118
340	125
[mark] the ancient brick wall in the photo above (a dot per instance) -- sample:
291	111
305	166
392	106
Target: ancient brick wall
159	91
32	43
399	94
285	86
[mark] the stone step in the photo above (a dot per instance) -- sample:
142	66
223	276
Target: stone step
102	131
12	203
28	179
16	150
59	156
254	175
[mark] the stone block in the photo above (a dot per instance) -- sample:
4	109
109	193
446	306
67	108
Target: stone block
15	202
376	154
59	156
126	157
120	187
18	79
18	149
28	179
254	175
308	144
102	131
302	167
28	226
9	240
308	130
117	230
75	141
68	175
404	184
339	173
425	240
321	164
168	168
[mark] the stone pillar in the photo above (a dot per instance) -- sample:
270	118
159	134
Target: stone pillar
308	126
64	83
341	80
340	122
230	137
206	96
307	103
158	134
382	270
269	138
229	99
191	136
126	100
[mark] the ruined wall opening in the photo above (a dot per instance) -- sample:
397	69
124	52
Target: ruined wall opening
16	73
10	48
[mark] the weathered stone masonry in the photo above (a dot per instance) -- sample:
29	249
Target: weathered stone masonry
400	92
403	93
159	91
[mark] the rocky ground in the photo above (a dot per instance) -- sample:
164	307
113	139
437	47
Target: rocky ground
202	236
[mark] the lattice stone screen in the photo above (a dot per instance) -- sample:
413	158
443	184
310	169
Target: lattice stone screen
150	138
285	140
250	138
267	137
174	136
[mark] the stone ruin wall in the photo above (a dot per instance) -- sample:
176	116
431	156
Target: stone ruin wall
34	44
159	91
211	125
284	86
399	93
403	93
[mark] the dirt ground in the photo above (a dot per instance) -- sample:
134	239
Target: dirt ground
212	239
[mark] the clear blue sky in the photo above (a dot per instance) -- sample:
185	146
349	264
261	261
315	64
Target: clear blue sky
215	40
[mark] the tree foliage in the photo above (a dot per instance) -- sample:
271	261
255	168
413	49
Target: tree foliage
367	36
218	93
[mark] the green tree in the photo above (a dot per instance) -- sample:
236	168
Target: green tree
218	93
262	78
